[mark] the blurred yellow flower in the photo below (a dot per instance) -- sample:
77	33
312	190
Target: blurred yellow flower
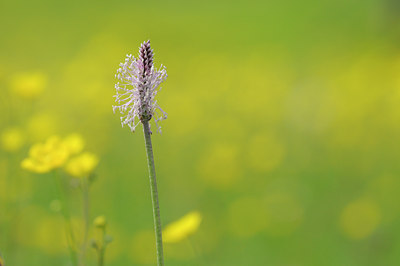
360	218
182	228
44	157
74	143
1	261
12	139
100	221
28	85
82	165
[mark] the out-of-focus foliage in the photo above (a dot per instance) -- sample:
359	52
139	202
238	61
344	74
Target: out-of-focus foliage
283	130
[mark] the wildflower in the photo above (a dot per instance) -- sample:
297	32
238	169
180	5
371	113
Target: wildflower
12	139
100	244
100	222
28	85
137	87
44	157
74	143
82	165
182	228
135	96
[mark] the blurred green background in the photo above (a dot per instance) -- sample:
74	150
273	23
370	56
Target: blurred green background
282	131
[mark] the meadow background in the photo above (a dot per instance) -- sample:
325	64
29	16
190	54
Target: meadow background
283	129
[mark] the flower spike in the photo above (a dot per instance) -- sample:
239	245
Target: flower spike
137	87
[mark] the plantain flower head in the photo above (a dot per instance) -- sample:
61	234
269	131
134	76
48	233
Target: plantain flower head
137	86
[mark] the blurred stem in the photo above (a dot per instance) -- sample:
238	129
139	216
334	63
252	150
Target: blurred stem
85	199
67	218
10	207
102	249
101	257
154	193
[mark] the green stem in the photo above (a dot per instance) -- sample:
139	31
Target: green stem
101	256
154	193
67	219
101	250
85	199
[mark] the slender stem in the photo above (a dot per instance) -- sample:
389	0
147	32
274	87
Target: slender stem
154	193
85	199
101	257
102	248
67	219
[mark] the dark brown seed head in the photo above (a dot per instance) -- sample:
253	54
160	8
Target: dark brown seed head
146	58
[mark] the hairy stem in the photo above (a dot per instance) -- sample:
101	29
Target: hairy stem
154	193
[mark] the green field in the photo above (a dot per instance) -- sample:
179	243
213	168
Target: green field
283	131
